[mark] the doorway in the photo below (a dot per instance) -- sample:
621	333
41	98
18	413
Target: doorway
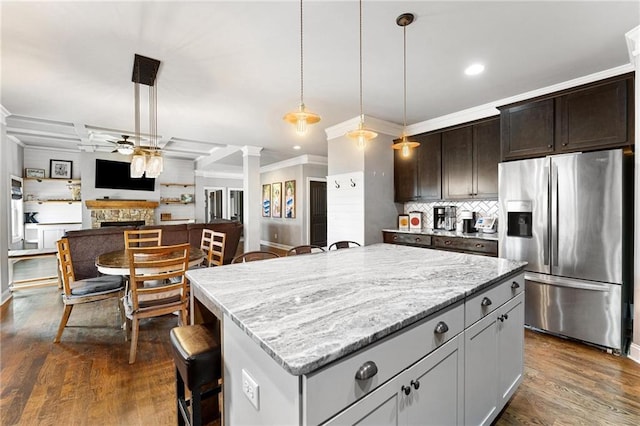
236	205
215	203
318	213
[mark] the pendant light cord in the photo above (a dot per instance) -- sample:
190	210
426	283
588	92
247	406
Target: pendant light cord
301	59
404	64
361	114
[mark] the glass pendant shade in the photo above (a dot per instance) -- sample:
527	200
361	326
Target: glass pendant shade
301	119
154	165
138	164
405	145
361	135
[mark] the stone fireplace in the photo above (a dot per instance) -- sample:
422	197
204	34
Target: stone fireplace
125	211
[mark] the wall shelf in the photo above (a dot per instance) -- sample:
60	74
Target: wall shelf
53	201
184	185
68	181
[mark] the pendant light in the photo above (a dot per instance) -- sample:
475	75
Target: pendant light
301	118
146	161
361	135
405	145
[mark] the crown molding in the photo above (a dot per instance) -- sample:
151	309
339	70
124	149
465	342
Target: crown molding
16	140
219	175
633	45
5	113
295	161
490	109
375	124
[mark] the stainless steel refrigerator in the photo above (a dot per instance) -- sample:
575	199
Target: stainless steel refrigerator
569	216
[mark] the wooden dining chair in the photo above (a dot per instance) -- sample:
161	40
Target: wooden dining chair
142	238
252	256
343	245
83	291
157	286
305	249
212	244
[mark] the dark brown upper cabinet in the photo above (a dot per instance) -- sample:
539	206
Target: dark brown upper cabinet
470	157
597	117
593	116
527	130
418	177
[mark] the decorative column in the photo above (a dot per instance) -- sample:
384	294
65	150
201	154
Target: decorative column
252	197
4	207
633	44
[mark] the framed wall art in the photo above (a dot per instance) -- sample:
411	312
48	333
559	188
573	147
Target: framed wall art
276	199
34	173
290	199
60	169
266	200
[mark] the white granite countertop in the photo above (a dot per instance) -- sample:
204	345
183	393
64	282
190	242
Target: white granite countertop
307	311
429	231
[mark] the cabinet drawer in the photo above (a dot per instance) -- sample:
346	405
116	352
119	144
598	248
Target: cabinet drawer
335	387
408	239
466	244
484	303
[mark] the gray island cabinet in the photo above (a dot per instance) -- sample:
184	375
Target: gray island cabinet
376	335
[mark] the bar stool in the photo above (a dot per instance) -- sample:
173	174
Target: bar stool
197	355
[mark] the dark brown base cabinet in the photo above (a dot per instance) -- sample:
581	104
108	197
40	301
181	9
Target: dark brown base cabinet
593	116
441	242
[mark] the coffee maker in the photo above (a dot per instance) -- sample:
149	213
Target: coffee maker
468	221
450	218
438	218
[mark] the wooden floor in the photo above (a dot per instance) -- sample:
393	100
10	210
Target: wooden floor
86	379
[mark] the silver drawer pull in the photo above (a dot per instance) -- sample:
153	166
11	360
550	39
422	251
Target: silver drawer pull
486	301
515	285
367	371
441	328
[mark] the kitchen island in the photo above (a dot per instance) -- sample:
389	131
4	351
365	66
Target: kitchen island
297	331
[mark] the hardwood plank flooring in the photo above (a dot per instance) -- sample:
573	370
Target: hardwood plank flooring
86	379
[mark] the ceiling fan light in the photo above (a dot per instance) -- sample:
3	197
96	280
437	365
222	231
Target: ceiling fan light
125	149
138	164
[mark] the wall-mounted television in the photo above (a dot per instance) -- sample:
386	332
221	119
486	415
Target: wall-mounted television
116	175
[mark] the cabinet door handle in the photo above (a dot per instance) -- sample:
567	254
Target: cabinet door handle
395	237
406	389
367	371
515	285
506	316
564	144
549	146
486	301
447	242
415	384
479	245
441	328
501	318
417	239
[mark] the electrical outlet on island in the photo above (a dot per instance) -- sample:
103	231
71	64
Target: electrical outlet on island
251	389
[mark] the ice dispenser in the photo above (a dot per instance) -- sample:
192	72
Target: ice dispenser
519	218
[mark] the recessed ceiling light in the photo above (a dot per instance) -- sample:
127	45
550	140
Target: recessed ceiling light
297	147
474	69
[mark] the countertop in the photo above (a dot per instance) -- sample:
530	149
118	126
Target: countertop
440	232
307	311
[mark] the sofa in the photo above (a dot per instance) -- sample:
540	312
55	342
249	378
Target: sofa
87	244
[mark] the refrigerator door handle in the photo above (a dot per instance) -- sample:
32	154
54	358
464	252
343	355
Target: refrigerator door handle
554	213
568	282
545	227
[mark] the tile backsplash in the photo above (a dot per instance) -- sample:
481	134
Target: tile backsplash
481	208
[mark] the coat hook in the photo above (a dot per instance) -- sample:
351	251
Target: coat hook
337	184
353	184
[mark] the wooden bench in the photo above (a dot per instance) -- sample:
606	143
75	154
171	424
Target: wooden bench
18	255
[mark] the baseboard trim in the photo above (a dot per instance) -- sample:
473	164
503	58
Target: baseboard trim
634	352
6	296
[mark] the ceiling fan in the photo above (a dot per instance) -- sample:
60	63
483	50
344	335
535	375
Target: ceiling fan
123	146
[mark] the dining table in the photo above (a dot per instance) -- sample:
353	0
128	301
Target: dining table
117	262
